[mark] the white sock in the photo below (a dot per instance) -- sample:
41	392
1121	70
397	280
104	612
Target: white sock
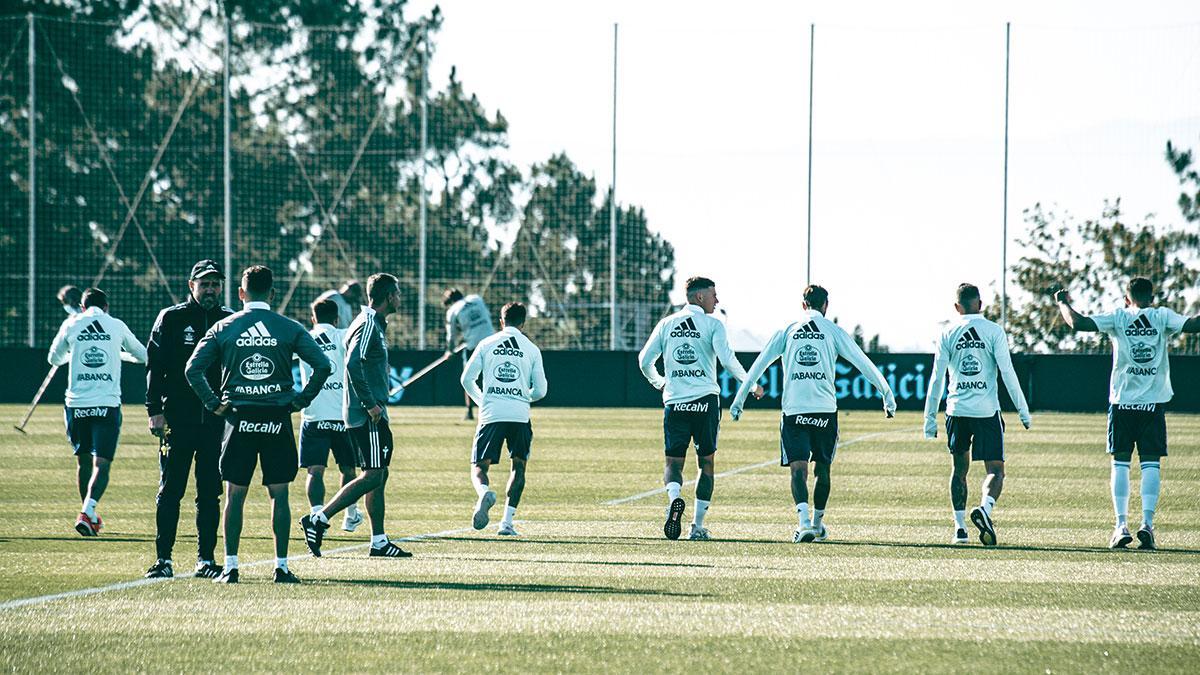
317	509
1119	482
320	517
352	510
509	513
818	514
230	562
701	511
89	507
988	503
482	489
802	515
378	540
1151	484
281	563
673	490
960	519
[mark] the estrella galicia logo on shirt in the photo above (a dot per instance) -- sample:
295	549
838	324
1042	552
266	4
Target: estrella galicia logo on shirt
1142	352
508	348
686	329
256	336
256	367
808	331
685	354
189	335
507	372
970	365
94	357
93	332
808	356
969	340
1141	327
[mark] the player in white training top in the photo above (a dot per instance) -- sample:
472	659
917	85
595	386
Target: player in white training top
973	349
468	321
690	341
513	377
810	348
1138	393
94	343
323	430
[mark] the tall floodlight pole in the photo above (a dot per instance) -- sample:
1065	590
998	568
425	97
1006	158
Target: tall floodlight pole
31	300
423	215
1004	208
612	214
812	33
228	166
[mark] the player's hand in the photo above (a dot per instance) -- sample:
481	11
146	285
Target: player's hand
375	413
295	406
931	427
1027	421
1062	295
889	406
158	425
758	392
223	409
735	412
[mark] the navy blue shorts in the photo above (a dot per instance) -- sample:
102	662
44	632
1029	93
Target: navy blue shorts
983	436
1144	426
489	437
94	431
254	432
373	444
319	437
688	421
808	436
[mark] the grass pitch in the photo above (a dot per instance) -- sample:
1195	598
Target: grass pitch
592	586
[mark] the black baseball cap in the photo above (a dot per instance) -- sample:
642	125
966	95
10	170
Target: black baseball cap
205	268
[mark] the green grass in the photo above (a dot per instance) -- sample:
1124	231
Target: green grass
590	587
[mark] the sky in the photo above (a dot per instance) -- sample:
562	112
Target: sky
908	133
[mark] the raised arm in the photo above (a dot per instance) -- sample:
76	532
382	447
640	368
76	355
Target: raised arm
470	377
1074	320
649	355
1009	375
771	351
937	384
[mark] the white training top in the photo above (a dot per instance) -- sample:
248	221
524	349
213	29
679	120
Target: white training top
1141	371
810	348
513	377
92	342
468	321
690	343
327	406
973	349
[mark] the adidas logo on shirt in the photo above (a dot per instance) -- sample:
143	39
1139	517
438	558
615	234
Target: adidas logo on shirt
969	340
686	329
256	336
808	331
325	343
1141	326
508	348
93	332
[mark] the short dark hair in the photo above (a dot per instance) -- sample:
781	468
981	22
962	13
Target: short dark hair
258	280
966	294
380	286
326	310
94	297
815	296
513	314
1140	290
451	296
70	295
698	284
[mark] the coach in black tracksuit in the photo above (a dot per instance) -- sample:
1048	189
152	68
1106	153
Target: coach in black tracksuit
186	428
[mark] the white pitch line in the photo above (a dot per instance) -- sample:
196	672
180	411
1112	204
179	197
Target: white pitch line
120	586
743	469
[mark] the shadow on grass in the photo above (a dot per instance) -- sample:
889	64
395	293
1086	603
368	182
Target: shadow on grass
615	563
509	588
1046	549
75	537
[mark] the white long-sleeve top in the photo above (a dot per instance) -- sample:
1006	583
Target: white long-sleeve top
513	377
690	343
972	349
467	322
92	342
1141	372
327	405
810	348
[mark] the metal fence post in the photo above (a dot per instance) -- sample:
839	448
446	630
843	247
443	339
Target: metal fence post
612	214
812	33
228	170
1004	245
32	300
423	218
